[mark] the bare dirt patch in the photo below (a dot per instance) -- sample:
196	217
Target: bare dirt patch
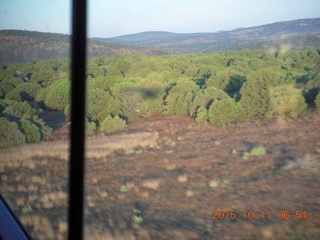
165	176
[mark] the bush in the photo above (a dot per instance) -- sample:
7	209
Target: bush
31	131
286	100
204	98
132	102
111	124
58	94
91	127
255	98
317	101
10	134
224	112
28	91
179	97
5	88
256	151
153	93
45	131
201	115
18	109
100	103
13	95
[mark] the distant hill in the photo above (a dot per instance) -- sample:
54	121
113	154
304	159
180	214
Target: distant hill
23	46
297	34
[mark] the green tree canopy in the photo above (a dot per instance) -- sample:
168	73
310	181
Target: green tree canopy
179	97
131	99
10	134
224	112
100	103
286	100
58	94
30	130
255	98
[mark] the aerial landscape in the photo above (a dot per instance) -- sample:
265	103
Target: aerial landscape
189	135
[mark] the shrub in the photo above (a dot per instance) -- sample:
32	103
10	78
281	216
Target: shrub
256	151
58	94
201	115
286	100
91	127
5	88
45	131
224	112
153	93
13	95
317	101
31	131
18	109
100	103
179	97
132	103
204	97
255	98
111	124
10	134
28	91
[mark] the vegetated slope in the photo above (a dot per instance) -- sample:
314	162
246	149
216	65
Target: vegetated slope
220	89
296	34
23	46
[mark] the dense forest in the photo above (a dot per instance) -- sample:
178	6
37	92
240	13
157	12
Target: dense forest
219	88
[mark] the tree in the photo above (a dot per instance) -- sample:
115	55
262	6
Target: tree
255	98
5	88
180	95
153	92
28	91
100	103
58	95
10	134
18	110
311	89
132	103
224	112
286	100
220	79
204	97
30	130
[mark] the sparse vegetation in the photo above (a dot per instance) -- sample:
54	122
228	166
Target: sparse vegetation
254	152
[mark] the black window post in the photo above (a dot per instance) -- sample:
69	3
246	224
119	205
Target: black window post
77	138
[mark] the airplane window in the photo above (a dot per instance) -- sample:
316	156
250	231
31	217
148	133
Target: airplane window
34	138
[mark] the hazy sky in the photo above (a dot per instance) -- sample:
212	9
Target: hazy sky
108	18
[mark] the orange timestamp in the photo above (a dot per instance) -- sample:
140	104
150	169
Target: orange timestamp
282	214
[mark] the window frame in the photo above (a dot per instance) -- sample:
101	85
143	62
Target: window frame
77	135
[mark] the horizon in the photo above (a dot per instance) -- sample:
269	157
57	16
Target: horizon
164	31
118	18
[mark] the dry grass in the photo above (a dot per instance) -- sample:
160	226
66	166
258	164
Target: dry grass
97	147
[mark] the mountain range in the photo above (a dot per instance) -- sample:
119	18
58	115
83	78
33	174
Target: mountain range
297	33
22	46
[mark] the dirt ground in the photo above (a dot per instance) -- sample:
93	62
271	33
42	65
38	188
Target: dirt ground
168	178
